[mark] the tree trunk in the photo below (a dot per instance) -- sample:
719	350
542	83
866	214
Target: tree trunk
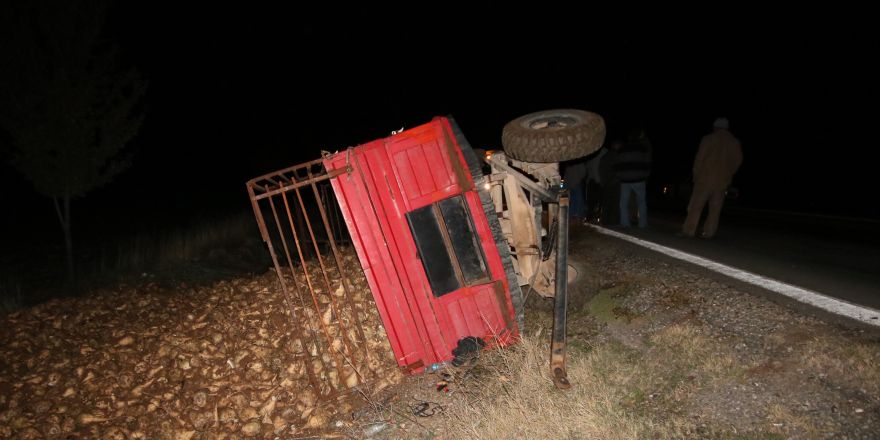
64	218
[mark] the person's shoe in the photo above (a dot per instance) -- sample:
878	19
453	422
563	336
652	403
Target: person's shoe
705	236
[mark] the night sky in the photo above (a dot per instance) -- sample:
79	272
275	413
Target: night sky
238	91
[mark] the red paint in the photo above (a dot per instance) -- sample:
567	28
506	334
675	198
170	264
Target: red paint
389	178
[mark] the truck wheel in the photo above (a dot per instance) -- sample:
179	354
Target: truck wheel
475	163
553	135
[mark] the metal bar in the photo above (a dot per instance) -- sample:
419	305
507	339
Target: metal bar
285	247
557	346
343	277
313	380
261	223
500	160
285	170
335	225
314	334
333	306
274	183
312	290
299	184
539	217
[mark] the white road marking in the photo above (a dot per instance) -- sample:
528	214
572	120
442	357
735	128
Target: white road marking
833	305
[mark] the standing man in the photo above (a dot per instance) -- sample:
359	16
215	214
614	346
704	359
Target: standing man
574	175
718	159
610	208
594	178
632	168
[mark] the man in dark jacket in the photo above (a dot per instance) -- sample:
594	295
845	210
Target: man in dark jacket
610	211
575	174
633	166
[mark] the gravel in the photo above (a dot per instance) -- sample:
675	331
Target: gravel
779	391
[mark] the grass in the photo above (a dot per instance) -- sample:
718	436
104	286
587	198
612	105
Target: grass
618	393
834	356
517	387
663	389
10	295
165	252
605	305
785	421
158	249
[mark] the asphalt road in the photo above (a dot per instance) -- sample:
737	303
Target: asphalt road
835	256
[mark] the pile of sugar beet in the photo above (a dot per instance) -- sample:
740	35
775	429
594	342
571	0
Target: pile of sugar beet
223	361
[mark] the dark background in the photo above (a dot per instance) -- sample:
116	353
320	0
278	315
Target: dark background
237	91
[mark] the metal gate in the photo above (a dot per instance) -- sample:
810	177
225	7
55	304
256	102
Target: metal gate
323	284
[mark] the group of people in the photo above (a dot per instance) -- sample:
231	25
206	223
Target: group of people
602	184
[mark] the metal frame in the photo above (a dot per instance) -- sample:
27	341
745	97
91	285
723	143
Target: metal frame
509	185
289	192
546	274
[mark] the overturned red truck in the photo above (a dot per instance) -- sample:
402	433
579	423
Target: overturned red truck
444	248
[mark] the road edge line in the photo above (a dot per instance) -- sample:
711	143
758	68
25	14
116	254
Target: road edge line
865	315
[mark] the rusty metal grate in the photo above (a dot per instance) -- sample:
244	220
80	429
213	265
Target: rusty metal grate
323	283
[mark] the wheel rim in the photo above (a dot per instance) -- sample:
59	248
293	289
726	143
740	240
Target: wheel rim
551	122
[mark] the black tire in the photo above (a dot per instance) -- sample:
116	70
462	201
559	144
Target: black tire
553	135
476	170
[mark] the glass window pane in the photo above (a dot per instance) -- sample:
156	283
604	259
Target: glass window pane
464	239
434	254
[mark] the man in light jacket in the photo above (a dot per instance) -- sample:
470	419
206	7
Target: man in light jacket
717	160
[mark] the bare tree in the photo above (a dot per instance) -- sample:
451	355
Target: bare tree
67	106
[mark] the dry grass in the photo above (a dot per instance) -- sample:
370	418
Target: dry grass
833	356
10	295
618	392
146	251
520	401
685	346
150	250
786	422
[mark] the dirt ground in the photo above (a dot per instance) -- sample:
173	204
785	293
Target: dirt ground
655	351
